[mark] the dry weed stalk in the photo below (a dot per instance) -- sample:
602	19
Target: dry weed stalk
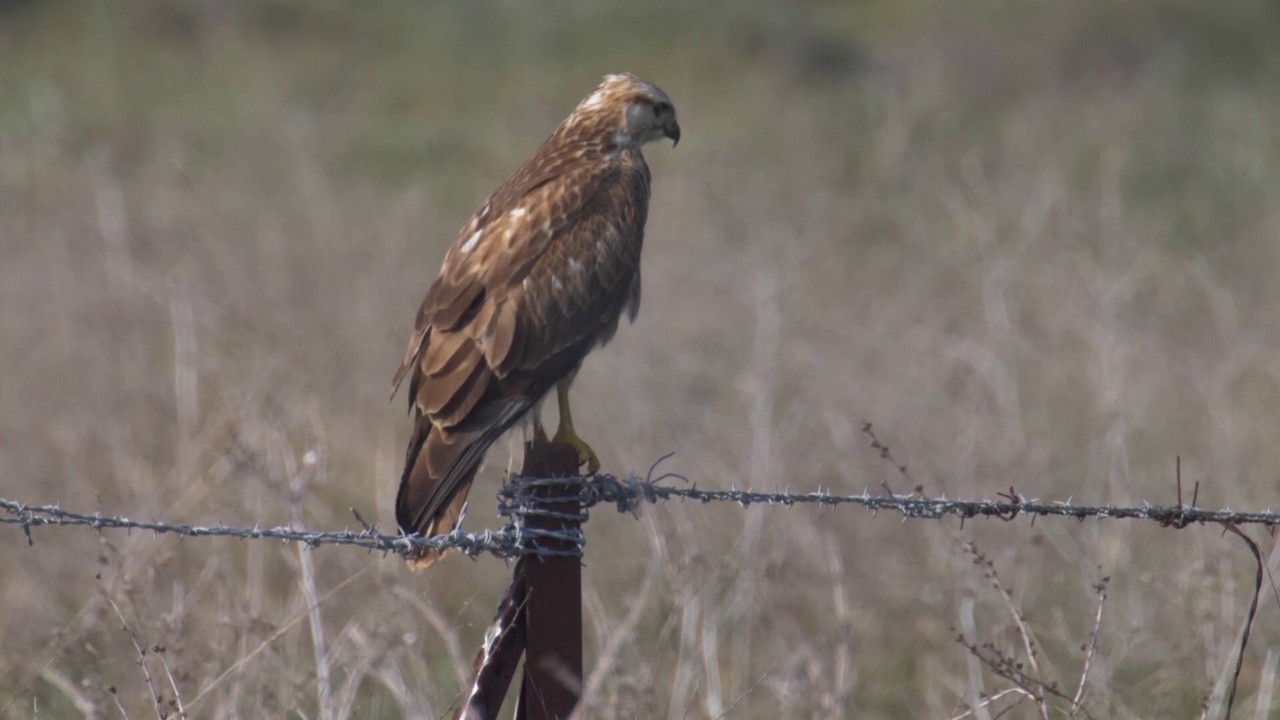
1025	673
163	708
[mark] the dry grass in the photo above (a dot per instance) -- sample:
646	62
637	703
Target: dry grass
1036	246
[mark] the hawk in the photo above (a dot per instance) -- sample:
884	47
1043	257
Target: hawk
538	277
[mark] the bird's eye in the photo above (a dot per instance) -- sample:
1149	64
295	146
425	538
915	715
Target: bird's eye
661	108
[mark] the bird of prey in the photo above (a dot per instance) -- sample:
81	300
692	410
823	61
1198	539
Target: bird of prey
538	277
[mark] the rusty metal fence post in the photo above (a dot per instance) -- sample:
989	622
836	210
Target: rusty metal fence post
541	613
553	601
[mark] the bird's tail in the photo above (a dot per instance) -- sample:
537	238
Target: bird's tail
445	522
439	468
437	477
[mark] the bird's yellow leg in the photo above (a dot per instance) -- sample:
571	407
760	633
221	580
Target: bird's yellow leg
567	435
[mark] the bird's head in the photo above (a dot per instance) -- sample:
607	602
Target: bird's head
637	110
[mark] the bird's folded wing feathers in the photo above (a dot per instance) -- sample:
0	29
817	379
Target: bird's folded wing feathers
496	284
523	292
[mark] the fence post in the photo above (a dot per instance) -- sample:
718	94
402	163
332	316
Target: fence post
553	601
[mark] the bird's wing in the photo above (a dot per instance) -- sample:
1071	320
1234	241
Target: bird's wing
532	282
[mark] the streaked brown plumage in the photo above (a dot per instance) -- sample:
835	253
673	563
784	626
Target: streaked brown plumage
536	279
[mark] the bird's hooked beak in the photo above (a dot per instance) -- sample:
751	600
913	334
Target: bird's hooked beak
672	130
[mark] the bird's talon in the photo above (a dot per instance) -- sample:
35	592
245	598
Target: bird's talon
586	456
565	434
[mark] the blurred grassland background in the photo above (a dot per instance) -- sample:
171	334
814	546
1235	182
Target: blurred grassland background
1035	243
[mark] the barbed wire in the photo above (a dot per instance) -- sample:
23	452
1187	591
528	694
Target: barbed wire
501	542
628	494
518	502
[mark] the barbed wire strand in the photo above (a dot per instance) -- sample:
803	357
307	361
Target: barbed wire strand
516	501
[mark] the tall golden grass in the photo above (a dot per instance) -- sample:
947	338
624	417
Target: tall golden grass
1036	245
